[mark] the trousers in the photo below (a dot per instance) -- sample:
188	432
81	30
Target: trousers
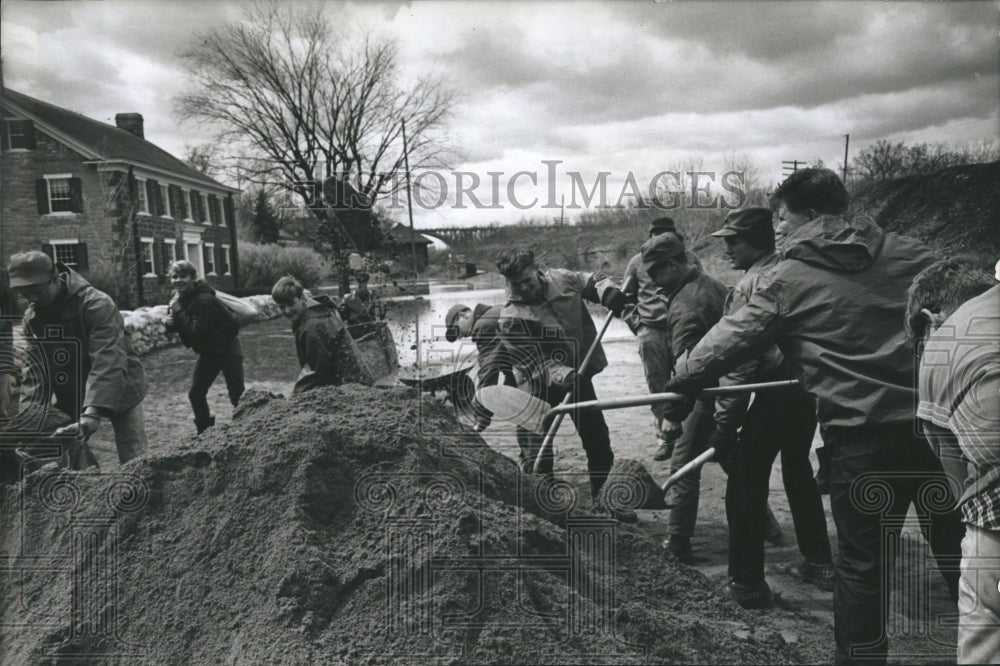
206	369
591	428
657	364
979	597
876	473
780	421
682	497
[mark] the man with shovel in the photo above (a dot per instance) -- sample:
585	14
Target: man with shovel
835	308
547	330
776	421
84	356
481	324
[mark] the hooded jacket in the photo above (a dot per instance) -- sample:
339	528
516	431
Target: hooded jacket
83	333
835	308
327	353
202	322
548	340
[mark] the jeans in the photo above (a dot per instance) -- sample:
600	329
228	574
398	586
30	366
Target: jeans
782	421
657	363
591	428
876	473
682	497
979	598
206	369
130	433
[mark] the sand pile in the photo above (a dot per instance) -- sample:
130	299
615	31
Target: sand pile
347	525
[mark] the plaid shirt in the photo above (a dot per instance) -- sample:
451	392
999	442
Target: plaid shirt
983	510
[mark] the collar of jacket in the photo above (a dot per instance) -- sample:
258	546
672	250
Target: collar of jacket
841	242
70	283
692	274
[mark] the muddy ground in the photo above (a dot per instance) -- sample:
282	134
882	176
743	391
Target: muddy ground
802	615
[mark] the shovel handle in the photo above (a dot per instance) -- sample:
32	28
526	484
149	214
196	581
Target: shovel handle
688	468
654	398
546	447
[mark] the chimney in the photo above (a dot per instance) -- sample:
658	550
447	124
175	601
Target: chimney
130	122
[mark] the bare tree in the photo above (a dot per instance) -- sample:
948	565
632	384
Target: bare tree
203	158
299	105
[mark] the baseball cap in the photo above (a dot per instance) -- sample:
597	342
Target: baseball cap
658	249
30	268
753	224
451	334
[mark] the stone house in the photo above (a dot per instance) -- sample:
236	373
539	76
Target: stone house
105	201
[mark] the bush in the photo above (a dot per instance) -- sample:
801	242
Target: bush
262	265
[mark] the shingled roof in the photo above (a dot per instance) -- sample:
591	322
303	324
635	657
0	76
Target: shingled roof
101	141
401	234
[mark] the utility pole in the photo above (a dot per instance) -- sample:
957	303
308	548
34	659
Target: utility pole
847	142
791	166
409	201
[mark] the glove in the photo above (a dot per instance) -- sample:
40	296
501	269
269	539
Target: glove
678	410
614	300
723	440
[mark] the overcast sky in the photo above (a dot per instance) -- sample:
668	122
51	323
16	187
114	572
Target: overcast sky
602	86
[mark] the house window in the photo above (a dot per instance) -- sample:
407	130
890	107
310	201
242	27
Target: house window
20	135
171	246
165	195
213	210
206	214
60	200
148	263
224	260
209	253
67	252
141	199
193	205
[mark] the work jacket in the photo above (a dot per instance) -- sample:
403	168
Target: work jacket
651	304
202	322
835	308
548	340
81	334
328	355
491	360
730	410
695	305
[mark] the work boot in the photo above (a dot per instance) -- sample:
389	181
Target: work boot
664	449
202	426
823	473
822	576
772	530
680	547
753	596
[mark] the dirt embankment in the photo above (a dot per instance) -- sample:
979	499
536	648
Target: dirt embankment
347	525
955	211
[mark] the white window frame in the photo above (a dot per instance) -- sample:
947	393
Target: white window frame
148	246
165	193
10	138
187	204
143	196
209	249
49	177
204	204
227	255
55	243
171	244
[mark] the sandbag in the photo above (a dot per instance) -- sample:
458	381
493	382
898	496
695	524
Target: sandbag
242	311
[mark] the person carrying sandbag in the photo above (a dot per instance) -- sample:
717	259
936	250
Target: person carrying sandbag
205	325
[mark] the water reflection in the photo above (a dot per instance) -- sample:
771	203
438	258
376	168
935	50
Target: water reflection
406	315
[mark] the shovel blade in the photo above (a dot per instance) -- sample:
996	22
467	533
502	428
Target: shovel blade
511	405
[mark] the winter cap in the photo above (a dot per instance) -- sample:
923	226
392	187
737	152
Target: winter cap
659	249
752	224
451	334
30	268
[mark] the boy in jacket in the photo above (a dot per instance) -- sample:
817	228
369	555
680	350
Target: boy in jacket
328	355
205	325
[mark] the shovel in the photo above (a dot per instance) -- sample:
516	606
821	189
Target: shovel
554	426
527	411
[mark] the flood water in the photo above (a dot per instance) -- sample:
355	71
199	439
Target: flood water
410	318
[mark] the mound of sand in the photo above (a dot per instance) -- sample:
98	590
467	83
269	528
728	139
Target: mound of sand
345	525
